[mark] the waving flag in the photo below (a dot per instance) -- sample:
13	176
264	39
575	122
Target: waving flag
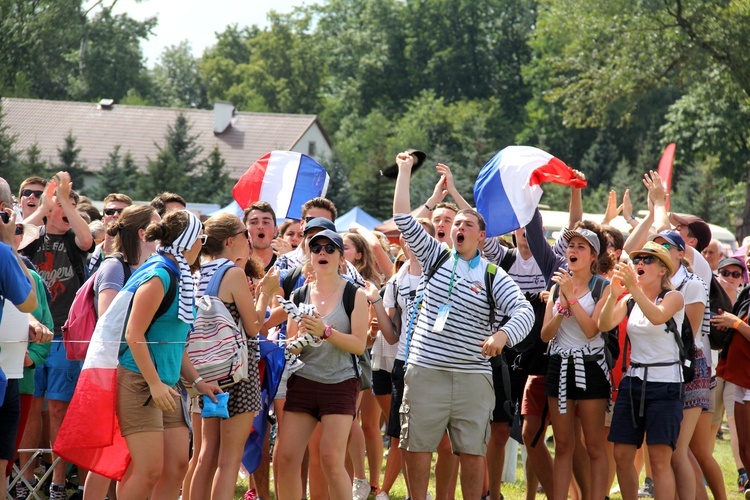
284	179
508	187
90	433
665	168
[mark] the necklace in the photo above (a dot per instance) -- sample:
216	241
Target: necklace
323	302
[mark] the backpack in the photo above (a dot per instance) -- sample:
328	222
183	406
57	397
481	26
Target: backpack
290	280
217	346
597	284
717	299
685	344
79	327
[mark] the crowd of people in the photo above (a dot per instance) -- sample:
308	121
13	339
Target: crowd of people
445	341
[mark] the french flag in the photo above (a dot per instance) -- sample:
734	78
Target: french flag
284	179
508	188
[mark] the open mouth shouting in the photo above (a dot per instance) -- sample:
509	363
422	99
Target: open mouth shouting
460	238
440	235
65	220
573	259
640	272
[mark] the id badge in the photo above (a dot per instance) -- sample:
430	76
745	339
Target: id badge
442	317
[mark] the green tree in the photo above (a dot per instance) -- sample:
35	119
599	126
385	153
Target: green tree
71	163
9	160
213	184
177	80
117	175
32	163
176	162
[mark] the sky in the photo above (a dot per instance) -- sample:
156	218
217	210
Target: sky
197	20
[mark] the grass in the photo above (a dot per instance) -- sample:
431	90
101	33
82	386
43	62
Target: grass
517	490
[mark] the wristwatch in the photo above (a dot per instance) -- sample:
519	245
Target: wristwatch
327	332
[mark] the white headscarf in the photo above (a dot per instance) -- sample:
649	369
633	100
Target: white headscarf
183	242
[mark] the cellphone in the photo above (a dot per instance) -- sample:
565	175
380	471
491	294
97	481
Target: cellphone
5	217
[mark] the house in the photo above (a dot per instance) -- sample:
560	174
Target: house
242	137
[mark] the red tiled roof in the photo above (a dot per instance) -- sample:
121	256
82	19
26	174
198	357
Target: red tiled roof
137	128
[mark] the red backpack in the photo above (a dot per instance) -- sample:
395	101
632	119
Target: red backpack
79	327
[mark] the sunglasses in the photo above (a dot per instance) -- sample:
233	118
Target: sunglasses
19	229
669	245
733	274
329	247
202	238
244	231
112	211
28	192
646	260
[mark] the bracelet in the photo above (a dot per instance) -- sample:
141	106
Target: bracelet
327	332
632	217
379	299
428	208
572	301
197	381
266	294
563	311
737	324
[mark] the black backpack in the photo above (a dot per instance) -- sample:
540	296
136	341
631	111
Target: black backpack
685	344
717	300
290	280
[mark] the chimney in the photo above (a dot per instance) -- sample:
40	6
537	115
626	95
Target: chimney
106	104
223	113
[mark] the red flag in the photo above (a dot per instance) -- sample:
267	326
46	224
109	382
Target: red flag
665	168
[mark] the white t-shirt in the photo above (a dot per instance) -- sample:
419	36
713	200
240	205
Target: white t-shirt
651	343
694	290
571	336
407	289
701	267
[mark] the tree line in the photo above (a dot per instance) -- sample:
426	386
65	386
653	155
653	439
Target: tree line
602	85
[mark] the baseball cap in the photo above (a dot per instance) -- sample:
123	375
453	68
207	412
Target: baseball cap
586	234
731	261
319	223
672	237
697	226
654	249
330	235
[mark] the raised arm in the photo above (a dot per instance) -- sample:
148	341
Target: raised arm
445	171
401	195
84	240
575	208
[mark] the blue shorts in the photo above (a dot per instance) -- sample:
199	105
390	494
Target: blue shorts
58	376
662	413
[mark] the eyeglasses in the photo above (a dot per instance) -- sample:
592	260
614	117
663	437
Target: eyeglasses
733	274
244	231
19	229
202	238
112	211
28	192
329	247
646	260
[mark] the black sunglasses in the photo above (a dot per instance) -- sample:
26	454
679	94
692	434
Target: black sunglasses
733	274
112	211
29	192
244	231
329	247
19	229
646	260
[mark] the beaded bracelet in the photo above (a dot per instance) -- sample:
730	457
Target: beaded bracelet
563	311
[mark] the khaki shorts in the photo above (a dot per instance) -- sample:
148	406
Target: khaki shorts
133	416
438	400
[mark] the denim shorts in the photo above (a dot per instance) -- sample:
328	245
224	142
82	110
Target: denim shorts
662	413
58	376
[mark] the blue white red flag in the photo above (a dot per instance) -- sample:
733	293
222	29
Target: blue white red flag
284	179
508	187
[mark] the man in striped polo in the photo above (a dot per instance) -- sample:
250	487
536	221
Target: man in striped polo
448	381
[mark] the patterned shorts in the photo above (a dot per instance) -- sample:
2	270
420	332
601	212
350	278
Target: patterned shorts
697	392
244	396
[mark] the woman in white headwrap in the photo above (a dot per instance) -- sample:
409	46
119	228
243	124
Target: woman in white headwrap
149	409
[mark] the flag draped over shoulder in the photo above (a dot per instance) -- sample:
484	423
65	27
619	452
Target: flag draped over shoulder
284	179
508	187
272	366
90	433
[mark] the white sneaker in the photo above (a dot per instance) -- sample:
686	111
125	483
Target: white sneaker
382	496
360	489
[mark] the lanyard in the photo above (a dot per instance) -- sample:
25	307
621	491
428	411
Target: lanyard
453	275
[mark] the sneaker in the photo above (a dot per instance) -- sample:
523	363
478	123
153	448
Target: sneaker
382	496
741	482
360	489
647	490
22	492
251	494
58	492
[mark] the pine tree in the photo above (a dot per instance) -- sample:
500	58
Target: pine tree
175	164
118	175
70	163
32	164
213	184
9	160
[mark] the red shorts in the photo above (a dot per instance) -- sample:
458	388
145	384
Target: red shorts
317	399
534	398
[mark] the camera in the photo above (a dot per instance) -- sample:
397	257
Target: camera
5	217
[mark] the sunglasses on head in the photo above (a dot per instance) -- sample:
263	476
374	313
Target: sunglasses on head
19	229
244	231
733	274
669	245
649	259
202	238
28	192
112	211
329	247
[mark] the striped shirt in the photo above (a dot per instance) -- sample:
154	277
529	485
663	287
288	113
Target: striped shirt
457	347
526	273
